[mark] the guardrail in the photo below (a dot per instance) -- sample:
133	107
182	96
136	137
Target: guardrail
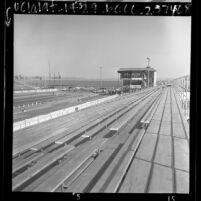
42	118
34	91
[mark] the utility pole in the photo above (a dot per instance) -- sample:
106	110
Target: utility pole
118	80
54	80
49	73
59	80
101	77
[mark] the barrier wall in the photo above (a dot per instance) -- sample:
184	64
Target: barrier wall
35	91
42	118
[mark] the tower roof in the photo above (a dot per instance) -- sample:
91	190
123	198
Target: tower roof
135	69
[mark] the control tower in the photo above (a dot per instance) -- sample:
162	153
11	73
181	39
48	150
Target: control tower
137	78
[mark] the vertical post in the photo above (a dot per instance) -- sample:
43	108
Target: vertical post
118	81
24	79
129	77
59	78
154	84
49	73
101	77
186	104
61	81
54	80
148	59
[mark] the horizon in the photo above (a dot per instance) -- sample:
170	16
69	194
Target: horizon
98	79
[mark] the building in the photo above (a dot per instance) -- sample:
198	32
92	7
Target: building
137	78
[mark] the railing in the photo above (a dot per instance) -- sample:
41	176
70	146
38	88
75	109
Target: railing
182	85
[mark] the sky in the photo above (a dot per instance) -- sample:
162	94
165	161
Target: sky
77	46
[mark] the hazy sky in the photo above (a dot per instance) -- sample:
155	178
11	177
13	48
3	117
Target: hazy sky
76	46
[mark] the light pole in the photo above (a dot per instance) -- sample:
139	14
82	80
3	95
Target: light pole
148	59
101	77
54	80
61	80
118	81
49	74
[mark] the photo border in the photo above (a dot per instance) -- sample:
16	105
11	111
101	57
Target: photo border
8	106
